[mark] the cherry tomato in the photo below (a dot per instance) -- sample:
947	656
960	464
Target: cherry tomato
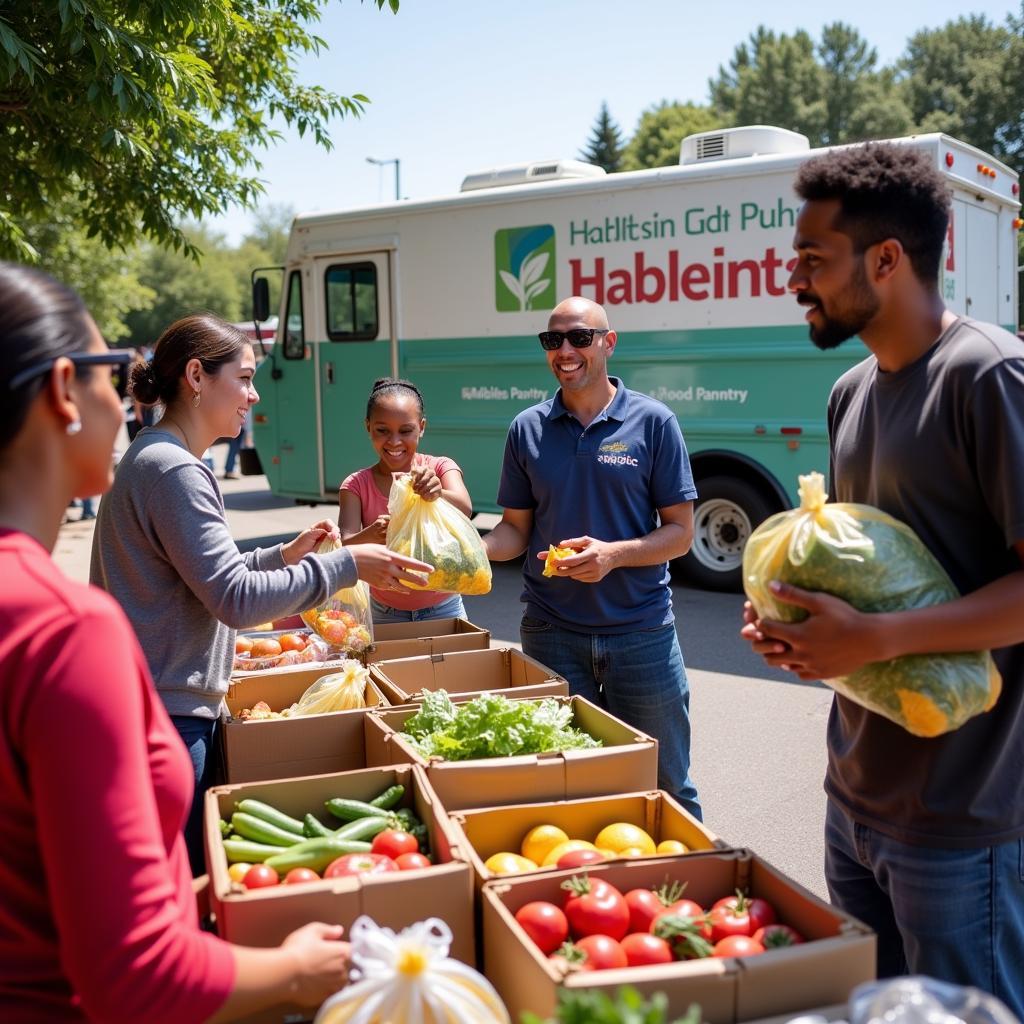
596	909
360	864
545	923
393	842
580	858
259	876
602	953
643	948
412	861
737	945
297	875
776	936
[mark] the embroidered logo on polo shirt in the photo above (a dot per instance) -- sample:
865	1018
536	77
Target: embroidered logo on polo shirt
616	453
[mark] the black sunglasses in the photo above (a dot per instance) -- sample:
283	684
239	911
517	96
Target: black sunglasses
579	337
120	359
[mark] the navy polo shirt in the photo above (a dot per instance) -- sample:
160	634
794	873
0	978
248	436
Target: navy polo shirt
606	481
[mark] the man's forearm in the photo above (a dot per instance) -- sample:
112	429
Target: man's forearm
504	542
668	541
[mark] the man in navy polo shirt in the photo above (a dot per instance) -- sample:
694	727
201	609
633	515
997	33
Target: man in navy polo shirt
602	470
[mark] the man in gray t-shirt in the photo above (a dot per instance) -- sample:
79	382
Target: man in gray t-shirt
923	836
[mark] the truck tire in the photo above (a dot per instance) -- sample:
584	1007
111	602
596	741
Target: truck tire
724	516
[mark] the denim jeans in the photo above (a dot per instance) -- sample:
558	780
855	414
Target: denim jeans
954	914
450	608
202	738
638	677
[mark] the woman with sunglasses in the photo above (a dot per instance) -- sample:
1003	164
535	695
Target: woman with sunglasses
97	916
163	548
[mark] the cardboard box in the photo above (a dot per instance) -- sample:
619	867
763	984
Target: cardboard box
427	636
628	761
283	748
467	674
791	980
474	835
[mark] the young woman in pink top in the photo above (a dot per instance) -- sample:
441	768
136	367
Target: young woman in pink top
98	919
396	423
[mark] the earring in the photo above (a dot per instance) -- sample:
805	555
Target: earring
74	427
195	400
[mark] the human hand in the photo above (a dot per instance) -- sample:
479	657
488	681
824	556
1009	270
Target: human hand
309	540
593	560
425	482
377	531
320	962
384	569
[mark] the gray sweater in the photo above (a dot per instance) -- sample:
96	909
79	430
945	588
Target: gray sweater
163	549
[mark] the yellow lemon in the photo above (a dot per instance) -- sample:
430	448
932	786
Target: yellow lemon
607	853
540	841
621	835
556	851
672	846
506	863
632	851
237	871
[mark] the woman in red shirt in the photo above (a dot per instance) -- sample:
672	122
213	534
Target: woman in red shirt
98	921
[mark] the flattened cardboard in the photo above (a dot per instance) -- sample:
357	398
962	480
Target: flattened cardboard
628	761
467	674
393	640
839	953
283	748
479	833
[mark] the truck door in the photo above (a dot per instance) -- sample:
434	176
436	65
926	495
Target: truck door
355	292
980	265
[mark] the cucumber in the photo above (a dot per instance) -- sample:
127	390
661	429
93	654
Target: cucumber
349	810
314	854
363	828
248	852
260	831
313	827
258	809
389	797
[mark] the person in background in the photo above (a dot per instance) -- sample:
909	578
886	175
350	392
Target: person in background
924	838
98	920
163	548
602	470
235	445
396	423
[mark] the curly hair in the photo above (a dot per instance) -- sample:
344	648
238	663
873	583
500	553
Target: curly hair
885	190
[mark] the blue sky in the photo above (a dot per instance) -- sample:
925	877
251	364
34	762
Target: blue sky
463	86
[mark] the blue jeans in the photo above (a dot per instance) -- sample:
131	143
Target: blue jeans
201	738
234	447
954	914
450	608
638	677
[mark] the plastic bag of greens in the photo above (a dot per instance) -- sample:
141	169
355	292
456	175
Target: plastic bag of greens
438	533
877	564
343	620
338	691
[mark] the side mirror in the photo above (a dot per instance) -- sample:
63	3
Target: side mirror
260	299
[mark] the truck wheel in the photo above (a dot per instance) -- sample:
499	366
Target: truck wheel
724	517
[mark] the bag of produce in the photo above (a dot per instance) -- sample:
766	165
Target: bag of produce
438	533
344	620
338	691
877	564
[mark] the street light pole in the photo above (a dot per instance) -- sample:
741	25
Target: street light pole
384	163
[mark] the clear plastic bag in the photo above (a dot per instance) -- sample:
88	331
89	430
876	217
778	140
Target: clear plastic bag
876	564
343	620
315	650
342	690
438	533
920	1000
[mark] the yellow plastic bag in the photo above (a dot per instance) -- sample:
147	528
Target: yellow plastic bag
344	620
877	564
438	533
339	691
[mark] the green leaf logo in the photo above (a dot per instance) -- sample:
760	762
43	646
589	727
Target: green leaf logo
524	264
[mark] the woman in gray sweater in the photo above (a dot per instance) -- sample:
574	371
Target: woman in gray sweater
163	549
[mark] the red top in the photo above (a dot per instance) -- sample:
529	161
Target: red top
374	504
98	920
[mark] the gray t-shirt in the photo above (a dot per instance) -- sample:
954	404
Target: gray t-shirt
163	549
938	445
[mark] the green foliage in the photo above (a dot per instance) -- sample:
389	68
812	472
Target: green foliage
661	130
627	1006
604	147
149	112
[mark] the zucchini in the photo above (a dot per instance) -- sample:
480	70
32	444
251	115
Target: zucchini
349	810
313	827
261	831
248	852
363	828
389	797
315	854
258	809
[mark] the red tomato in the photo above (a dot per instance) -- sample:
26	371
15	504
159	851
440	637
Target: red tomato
259	876
687	935
596	908
643	948
574	885
579	858
602	953
544	923
761	912
739	915
776	936
644	906
411	861
393	842
301	875
737	945
360	864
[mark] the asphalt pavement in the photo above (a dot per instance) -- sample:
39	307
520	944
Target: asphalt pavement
758	755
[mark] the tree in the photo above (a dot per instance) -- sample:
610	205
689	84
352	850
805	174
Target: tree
661	130
604	147
149	111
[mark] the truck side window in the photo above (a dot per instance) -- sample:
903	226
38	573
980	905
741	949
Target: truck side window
351	291
294	331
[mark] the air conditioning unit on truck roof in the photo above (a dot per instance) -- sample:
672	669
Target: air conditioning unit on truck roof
732	143
522	174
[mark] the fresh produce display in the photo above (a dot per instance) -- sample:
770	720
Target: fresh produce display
344	690
555	555
344	620
255	653
626	1006
410	977
492	726
877	564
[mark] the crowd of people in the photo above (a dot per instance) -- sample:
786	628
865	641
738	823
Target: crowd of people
110	695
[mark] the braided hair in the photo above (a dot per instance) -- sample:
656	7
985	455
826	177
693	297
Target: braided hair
386	387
